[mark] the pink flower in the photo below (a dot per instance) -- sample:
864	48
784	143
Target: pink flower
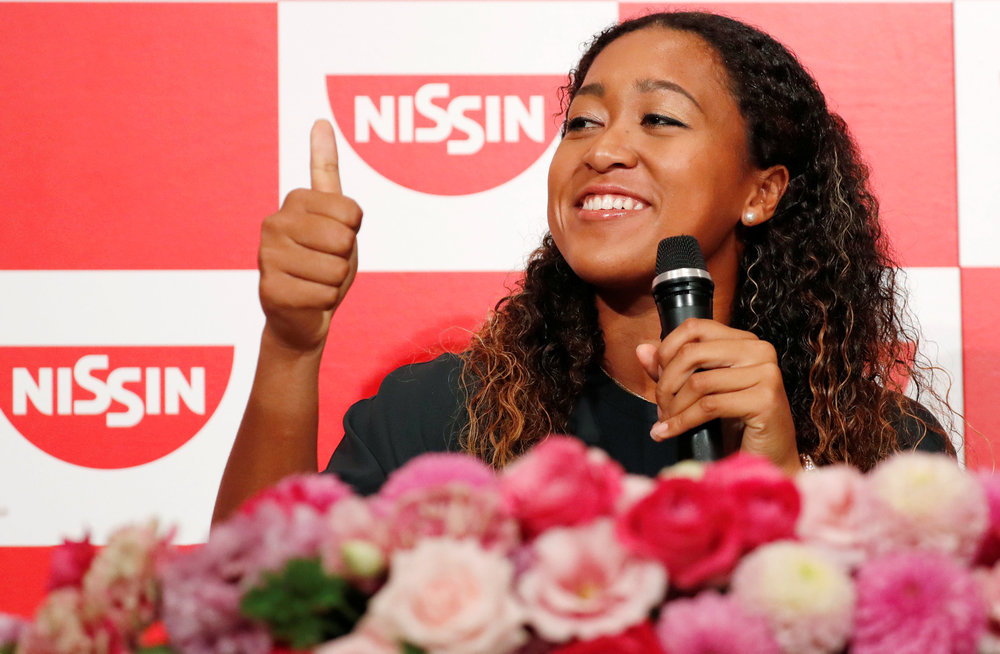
989	548
767	501
917	601
713	624
835	513
436	469
202	588
559	484
63	627
315	491
988	580
634	488
361	641
449	597
925	501
353	527
122	584
640	639
11	629
584	584
688	528
805	596
453	510
69	563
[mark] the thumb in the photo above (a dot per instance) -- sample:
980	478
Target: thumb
324	165
646	353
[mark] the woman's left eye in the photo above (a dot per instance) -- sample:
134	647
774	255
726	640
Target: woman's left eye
659	120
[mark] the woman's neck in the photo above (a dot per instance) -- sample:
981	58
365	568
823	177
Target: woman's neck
629	319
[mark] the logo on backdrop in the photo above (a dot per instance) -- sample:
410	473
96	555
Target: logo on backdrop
447	134
110	406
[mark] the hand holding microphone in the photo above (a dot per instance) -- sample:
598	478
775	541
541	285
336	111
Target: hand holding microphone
707	371
308	251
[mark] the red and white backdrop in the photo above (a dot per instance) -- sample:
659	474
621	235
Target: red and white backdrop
142	144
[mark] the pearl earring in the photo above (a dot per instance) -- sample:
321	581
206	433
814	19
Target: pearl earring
749	217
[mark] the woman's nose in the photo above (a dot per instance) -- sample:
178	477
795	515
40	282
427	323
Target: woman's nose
612	148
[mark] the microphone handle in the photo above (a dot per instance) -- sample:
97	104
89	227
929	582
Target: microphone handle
676	301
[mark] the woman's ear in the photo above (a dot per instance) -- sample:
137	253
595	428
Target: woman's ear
767	192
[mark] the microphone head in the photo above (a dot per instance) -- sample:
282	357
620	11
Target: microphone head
679	252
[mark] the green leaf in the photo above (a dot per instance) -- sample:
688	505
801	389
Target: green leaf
303	606
409	648
7	649
159	649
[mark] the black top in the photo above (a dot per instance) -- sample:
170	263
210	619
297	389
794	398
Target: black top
419	409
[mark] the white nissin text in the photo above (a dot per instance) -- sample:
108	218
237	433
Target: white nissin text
47	389
504	117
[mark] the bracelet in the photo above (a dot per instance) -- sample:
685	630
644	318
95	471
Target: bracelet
807	462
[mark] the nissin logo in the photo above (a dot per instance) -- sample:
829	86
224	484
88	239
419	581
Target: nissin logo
447	135
110	406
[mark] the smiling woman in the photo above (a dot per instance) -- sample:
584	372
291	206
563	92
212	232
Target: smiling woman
675	123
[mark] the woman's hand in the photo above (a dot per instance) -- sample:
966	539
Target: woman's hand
706	370
308	252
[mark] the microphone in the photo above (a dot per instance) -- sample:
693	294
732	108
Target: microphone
683	289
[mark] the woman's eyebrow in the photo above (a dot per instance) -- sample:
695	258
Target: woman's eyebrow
648	85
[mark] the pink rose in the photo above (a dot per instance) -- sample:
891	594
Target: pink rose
315	491
836	513
767	502
449	597
640	639
584	584
435	469
360	641
686	526
70	562
561	483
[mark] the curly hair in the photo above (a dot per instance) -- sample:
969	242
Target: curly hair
817	281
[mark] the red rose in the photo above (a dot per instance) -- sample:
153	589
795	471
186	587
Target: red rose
767	500
70	561
640	639
687	525
560	483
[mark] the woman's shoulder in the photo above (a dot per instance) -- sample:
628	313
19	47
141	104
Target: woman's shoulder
918	429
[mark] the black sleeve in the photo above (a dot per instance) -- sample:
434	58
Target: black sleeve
925	434
417	409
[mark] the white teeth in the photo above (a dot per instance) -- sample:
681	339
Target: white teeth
608	202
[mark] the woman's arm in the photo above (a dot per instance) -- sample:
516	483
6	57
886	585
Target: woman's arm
308	258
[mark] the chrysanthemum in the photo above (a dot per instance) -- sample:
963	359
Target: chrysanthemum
804	595
925	501
713	624
917	601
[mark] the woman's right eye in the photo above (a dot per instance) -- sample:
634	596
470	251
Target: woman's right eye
577	123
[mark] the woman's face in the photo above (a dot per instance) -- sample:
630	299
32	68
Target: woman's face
655	147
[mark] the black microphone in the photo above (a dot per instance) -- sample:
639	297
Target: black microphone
683	289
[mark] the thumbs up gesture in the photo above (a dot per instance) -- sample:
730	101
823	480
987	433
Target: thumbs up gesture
308	251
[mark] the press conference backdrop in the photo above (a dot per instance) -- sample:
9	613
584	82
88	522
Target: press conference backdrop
142	144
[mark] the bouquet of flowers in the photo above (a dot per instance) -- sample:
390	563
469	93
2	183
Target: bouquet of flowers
562	553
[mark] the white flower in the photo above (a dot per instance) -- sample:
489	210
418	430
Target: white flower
805	596
449	596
